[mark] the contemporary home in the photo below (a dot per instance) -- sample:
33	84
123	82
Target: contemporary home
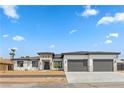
69	62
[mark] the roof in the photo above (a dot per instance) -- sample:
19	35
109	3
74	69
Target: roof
27	58
87	52
5	61
58	56
39	53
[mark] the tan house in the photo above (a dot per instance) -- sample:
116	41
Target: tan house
6	64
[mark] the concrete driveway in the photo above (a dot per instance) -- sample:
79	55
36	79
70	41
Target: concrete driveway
94	77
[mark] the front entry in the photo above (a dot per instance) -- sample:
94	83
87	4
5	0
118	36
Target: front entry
46	66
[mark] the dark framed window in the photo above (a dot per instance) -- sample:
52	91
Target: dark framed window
57	64
34	63
20	63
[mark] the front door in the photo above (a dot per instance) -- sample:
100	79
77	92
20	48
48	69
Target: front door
46	66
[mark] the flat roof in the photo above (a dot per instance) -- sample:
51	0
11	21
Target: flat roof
27	58
89	52
6	61
57	56
39	53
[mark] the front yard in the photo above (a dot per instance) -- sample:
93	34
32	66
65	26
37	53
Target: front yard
42	72
33	77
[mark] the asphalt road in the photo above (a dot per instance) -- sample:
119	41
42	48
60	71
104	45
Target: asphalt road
46	85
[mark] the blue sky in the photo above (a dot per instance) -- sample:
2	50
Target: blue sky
32	29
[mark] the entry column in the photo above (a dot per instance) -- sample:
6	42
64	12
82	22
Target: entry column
115	64
41	64
90	65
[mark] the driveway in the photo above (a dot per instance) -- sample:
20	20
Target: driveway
94	77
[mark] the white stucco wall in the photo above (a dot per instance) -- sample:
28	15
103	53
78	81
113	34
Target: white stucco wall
26	66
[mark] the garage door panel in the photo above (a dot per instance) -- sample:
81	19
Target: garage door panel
77	65
102	65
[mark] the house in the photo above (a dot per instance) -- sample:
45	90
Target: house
69	62
120	65
6	64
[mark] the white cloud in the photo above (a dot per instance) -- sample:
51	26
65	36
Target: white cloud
108	41
105	20
118	17
113	35
89	12
72	31
52	46
5	36
10	11
18	38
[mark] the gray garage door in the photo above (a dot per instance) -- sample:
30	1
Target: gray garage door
77	65
103	65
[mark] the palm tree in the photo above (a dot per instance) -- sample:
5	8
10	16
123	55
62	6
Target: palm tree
12	53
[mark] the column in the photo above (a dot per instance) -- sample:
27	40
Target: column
40	64
90	65
51	65
115	64
65	65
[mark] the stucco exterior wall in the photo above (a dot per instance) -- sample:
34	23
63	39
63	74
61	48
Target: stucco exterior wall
27	65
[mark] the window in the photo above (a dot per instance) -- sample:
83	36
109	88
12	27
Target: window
34	63
20	63
57	64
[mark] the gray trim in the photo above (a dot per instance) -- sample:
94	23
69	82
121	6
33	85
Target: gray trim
27	58
39	53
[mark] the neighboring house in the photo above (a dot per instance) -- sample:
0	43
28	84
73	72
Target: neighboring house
70	61
6	64
120	65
